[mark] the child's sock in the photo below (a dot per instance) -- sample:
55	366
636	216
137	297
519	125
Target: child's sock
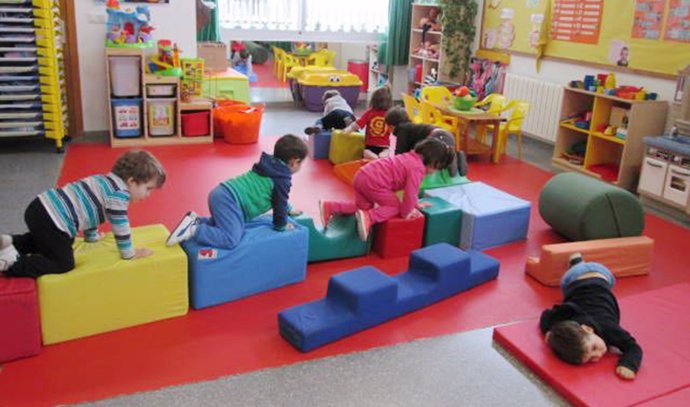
5	241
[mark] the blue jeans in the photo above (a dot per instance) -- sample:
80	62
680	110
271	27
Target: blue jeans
582	268
225	227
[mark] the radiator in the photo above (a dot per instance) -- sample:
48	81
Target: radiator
545	104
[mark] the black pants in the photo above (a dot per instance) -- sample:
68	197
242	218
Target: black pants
337	119
45	249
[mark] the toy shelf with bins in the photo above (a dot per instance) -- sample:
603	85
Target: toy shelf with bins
145	102
607	157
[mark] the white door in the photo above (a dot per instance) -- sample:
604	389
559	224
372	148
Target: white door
677	186
652	178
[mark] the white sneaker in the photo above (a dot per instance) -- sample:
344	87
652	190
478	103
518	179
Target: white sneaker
370	155
8	256
385	153
184	230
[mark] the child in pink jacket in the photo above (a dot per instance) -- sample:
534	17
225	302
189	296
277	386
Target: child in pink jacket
377	182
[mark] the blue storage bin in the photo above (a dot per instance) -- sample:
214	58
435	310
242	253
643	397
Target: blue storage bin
127	117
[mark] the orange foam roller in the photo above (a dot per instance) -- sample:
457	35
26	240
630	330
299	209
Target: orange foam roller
624	256
346	171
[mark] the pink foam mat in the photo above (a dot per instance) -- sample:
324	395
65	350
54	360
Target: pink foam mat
660	322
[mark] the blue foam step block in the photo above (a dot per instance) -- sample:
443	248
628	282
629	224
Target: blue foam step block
217	276
365	297
319	145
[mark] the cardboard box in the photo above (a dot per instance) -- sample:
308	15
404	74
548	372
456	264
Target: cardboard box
215	56
619	117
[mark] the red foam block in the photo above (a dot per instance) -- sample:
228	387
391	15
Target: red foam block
660	322
397	237
19	323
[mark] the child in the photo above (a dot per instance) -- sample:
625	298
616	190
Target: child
56	216
587	322
241	199
377	134
408	134
377	182
337	114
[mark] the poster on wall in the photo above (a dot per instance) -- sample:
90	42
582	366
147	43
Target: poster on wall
678	21
577	20
648	17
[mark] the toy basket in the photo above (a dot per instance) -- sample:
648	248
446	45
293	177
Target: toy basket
236	122
464	103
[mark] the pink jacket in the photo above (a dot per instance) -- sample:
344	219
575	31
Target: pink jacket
405	171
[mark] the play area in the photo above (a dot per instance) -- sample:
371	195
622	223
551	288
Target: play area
255	206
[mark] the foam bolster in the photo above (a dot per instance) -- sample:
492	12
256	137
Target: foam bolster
264	259
443	221
583	208
397	237
345	147
319	144
441	179
490	217
338	241
624	256
21	331
346	171
365	297
104	293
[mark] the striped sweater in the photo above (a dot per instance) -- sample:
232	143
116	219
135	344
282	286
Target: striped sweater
84	204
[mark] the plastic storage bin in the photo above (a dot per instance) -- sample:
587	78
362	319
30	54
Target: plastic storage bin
125	76
361	69
195	124
314	85
161	117
127	117
161	90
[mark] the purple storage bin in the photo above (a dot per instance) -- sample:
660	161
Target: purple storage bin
312	95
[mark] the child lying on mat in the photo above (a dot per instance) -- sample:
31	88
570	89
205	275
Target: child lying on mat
581	329
377	182
408	134
57	215
241	199
337	113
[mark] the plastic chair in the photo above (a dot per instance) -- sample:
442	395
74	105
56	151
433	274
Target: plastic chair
512	126
330	57
278	60
289	62
436	95
497	104
319	58
412	107
433	115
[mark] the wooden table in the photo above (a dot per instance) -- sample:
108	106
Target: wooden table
467	119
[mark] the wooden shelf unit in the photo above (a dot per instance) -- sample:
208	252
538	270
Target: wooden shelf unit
645	117
147	139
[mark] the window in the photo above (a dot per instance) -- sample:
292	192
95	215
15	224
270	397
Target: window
303	20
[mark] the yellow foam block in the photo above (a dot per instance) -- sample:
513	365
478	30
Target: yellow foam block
105	293
345	147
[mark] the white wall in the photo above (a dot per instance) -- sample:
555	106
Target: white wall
175	21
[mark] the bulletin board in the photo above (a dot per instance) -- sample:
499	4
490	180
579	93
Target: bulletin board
644	35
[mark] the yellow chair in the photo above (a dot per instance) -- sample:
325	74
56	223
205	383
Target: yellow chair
433	115
319	58
512	126
436	95
412	107
330	56
497	104
289	62
279	60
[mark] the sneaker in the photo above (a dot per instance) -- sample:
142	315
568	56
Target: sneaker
184	230
363	224
370	155
311	130
574	259
8	256
462	164
325	212
5	241
385	153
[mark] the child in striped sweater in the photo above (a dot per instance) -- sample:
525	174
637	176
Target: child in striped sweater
56	216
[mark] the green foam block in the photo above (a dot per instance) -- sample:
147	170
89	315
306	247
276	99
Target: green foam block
339	241
443	222
441	179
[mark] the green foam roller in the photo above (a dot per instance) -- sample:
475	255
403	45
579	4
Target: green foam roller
583	208
338	241
345	147
443	222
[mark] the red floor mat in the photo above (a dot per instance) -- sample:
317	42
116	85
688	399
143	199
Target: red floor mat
243	336
659	321
265	77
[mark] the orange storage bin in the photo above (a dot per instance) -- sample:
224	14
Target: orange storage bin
236	122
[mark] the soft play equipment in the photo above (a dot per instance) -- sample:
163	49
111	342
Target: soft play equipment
624	256
660	322
21	331
345	147
319	145
441	179
338	241
398	237
442	222
365	297
264	259
583	208
314	84
104	293
490	217
346	171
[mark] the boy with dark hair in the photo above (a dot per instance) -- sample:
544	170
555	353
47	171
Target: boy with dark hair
57	215
238	200
581	329
337	113
408	134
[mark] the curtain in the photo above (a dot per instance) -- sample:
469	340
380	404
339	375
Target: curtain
208	26
395	49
